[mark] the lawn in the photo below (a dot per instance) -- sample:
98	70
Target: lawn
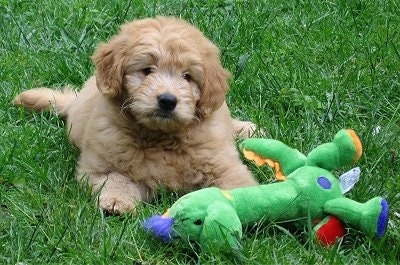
301	70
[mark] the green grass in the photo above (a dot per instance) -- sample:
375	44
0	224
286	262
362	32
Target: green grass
301	69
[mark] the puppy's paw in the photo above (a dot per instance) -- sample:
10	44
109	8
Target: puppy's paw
114	204
244	129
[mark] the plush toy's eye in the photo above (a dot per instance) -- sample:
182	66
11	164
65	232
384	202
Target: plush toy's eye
198	222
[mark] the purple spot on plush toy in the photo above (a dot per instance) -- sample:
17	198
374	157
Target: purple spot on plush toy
160	226
383	218
324	182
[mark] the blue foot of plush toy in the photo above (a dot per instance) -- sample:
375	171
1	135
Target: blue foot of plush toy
383	219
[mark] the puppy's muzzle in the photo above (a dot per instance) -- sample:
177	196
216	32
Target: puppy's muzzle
167	101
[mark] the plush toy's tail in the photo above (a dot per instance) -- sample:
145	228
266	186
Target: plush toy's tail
160	226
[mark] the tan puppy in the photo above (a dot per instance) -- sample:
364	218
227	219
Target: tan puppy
153	115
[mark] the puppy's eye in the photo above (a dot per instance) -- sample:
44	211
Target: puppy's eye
187	77
198	222
147	70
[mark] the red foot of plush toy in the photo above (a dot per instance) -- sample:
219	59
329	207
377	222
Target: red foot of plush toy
328	230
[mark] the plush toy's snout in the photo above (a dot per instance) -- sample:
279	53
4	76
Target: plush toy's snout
160	226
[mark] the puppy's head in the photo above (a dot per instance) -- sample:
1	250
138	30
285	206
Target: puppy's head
165	72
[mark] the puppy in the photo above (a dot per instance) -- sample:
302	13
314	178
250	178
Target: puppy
153	115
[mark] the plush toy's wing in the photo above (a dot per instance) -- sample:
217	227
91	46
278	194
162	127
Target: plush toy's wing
274	153
221	228
345	149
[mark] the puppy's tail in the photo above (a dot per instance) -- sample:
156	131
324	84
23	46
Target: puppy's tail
44	98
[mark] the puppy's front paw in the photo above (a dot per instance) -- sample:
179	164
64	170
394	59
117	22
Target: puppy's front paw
114	204
244	129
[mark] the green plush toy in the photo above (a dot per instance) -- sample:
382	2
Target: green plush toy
308	192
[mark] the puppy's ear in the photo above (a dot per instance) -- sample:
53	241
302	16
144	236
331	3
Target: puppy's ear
214	87
109	68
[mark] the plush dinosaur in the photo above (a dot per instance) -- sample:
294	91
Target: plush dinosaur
308	193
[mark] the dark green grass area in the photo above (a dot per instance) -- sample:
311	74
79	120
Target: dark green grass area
301	70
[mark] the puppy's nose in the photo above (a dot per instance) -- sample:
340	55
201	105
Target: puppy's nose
167	101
